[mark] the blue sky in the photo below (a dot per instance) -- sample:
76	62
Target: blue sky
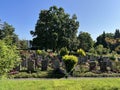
95	16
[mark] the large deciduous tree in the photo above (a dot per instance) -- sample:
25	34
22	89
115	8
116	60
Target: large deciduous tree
55	29
86	42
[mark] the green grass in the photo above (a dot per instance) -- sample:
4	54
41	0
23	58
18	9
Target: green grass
62	84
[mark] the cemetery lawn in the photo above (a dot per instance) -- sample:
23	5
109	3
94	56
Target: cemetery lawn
61	84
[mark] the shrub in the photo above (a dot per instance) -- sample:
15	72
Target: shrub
81	52
70	61
64	51
9	58
42	53
117	49
112	58
39	52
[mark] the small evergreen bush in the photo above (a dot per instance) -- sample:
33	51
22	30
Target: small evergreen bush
64	51
70	61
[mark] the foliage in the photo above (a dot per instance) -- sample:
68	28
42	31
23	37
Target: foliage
55	29
117	33
117	49
86	41
92	51
100	50
30	75
41	52
113	58
9	58
81	52
80	69
7	34
101	40
64	51
70	61
110	41
106	51
91	74
22	44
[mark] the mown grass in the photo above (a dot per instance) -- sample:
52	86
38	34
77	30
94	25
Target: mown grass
61	84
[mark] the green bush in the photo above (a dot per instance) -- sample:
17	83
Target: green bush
70	61
81	52
64	51
112	58
30	75
39	52
91	74
52	74
9	58
41	74
42	53
117	49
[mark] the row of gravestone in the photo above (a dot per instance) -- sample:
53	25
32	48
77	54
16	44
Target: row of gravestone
31	63
104	63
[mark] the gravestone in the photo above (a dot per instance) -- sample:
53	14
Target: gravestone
92	65
38	61
31	66
56	64
24	62
103	66
44	64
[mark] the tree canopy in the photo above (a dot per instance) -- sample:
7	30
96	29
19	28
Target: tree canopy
55	29
86	42
7	33
110	40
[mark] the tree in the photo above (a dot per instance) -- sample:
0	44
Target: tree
54	29
101	40
113	43
117	33
7	33
9	57
22	44
85	40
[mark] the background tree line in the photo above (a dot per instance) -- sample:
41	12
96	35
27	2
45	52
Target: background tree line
56	29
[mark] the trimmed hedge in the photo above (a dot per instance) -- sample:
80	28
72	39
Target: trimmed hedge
70	61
